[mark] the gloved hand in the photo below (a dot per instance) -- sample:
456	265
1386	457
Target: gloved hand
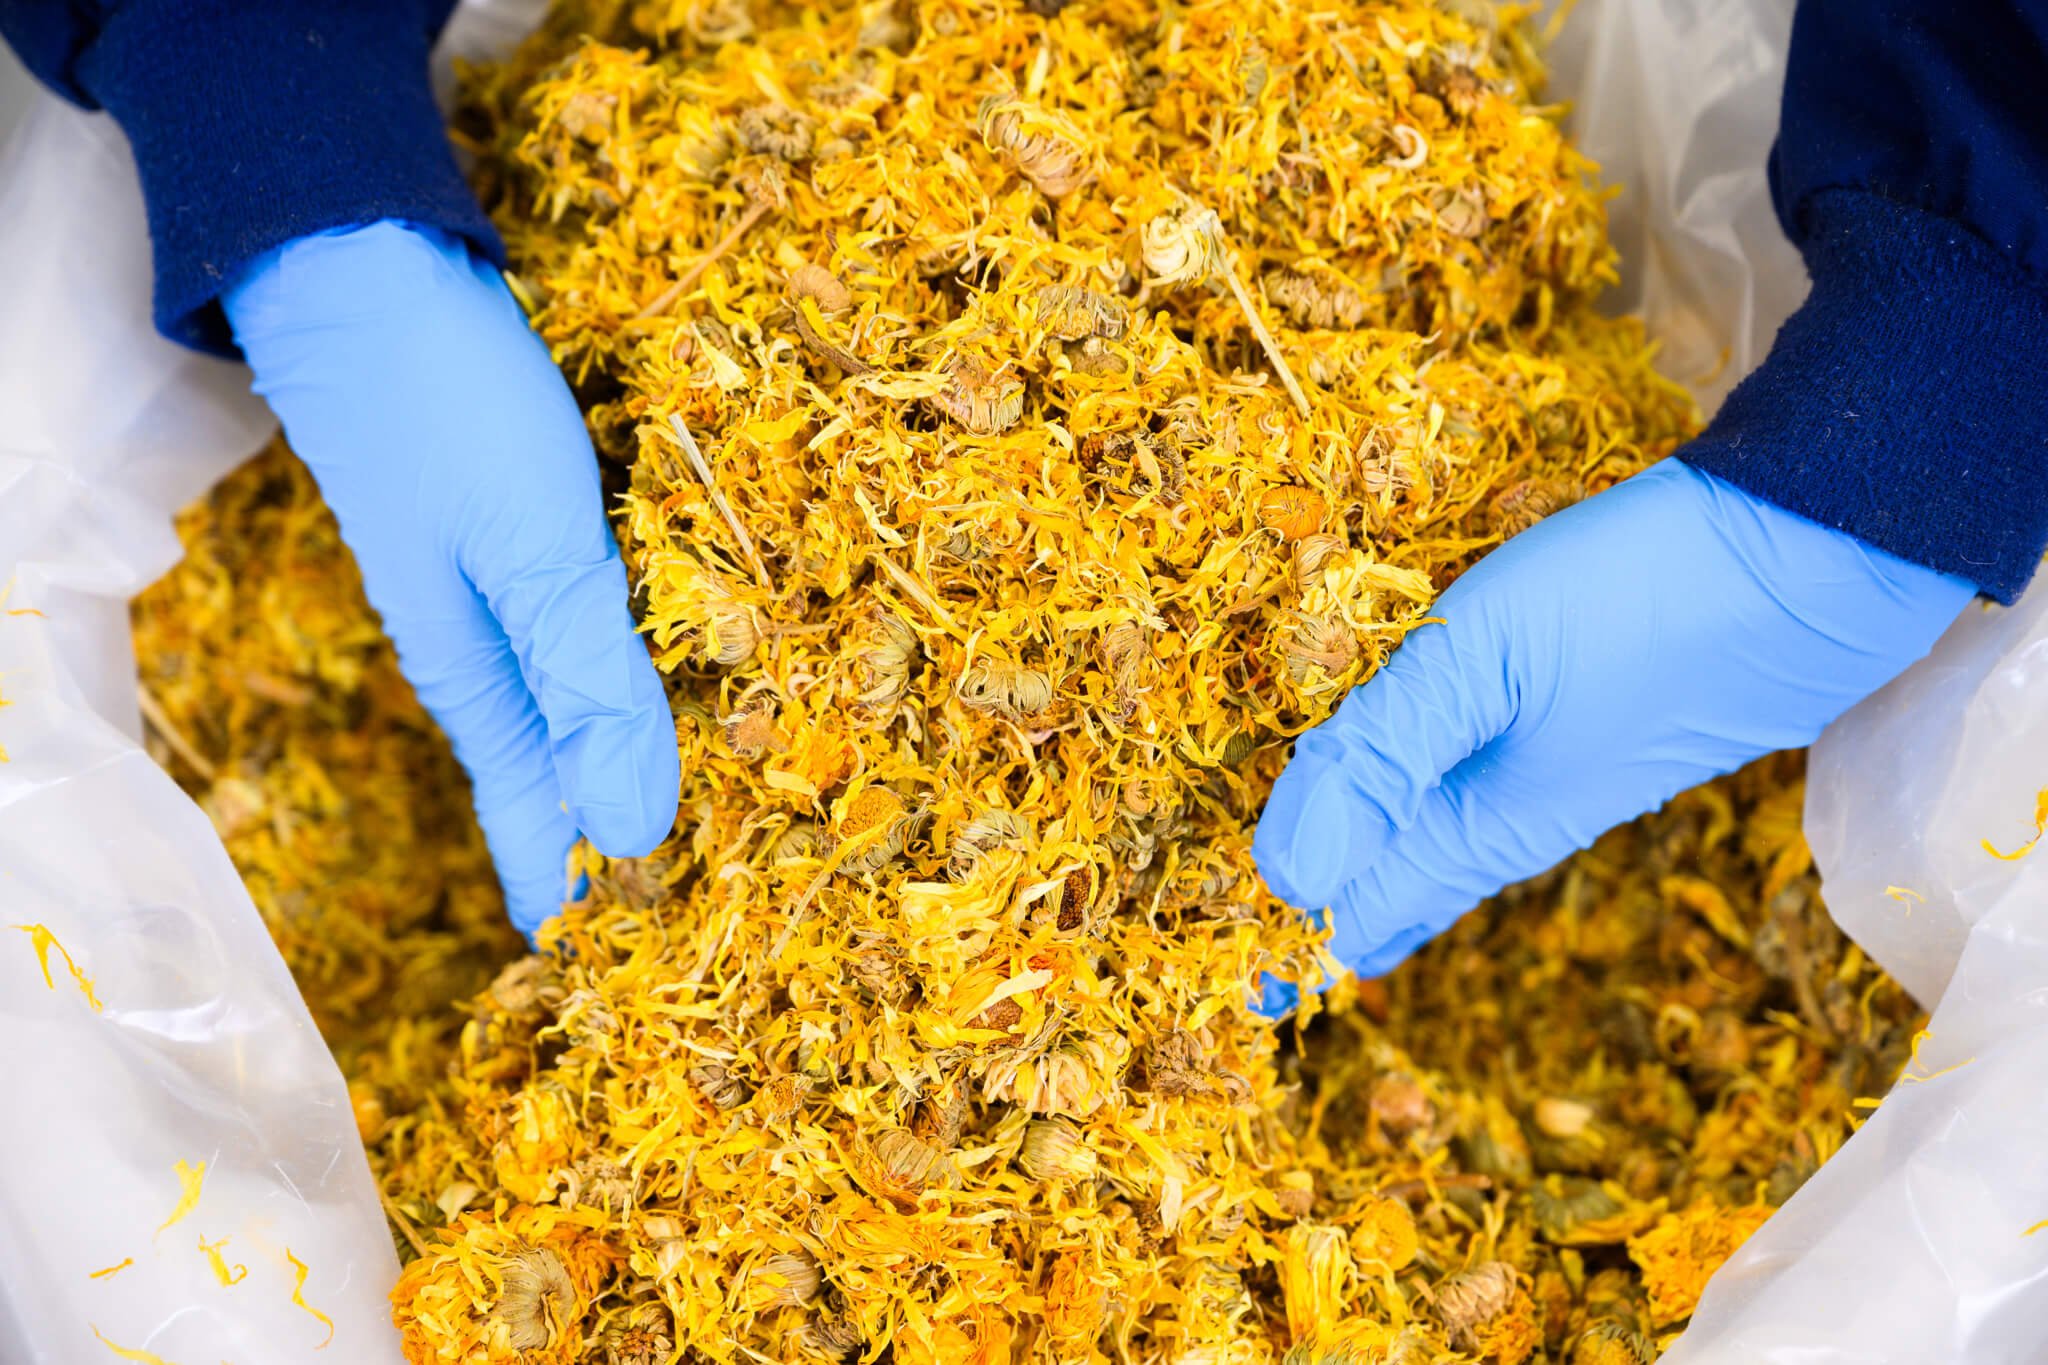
454	457
1667	630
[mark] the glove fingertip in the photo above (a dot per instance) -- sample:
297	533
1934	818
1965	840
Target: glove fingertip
627	781
1314	836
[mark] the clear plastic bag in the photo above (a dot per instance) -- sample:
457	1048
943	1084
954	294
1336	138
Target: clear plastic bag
1915	1243
200	1050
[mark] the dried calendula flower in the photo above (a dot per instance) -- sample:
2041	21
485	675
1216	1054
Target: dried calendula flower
1527	501
537	1300
1295	512
1076	1302
871	830
1073	313
1045	148
820	287
1054	1150
777	131
1314	296
1612	1343
1679	1254
785	1279
977	398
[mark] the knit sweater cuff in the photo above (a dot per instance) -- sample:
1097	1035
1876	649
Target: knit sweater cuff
1903	402
254	124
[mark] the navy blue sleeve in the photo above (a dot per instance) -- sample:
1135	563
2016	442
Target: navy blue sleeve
1906	402
255	122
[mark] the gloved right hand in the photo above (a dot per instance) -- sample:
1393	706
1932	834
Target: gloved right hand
1665	631
456	461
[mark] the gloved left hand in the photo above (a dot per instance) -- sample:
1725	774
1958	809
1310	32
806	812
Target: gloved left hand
456	461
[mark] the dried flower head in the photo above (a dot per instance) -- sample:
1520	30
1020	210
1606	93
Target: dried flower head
1054	1151
537	1301
1045	148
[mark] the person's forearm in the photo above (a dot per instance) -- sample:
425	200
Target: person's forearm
257	124
1902	403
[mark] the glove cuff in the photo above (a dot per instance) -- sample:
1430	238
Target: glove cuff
254	124
1902	403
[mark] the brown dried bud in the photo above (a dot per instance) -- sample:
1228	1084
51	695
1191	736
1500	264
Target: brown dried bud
1400	1106
719	1084
1297	1193
776	130
1046	149
1319	642
538	1300
1468	1301
1054	1151
803	842
1093	356
900	1166
648	1339
829	1338
821	287
982	402
1315	297
889	648
941	1114
1311	553
1005	690
528	986
1612	1343
587	115
1174	1065
1521	505
1125	652
1462	214
786	1279
750	731
1072	313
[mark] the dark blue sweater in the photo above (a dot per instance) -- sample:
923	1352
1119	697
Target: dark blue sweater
1902	403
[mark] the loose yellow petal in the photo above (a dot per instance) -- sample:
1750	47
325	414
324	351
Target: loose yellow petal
2040	827
222	1271
141	1357
189	1180
44	940
299	1273
113	1269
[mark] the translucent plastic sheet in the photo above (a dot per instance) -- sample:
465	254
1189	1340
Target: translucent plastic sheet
202	1050
1916	1242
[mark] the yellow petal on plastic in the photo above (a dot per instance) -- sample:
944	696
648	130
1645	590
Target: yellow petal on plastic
44	941
139	1357
2040	828
190	1179
227	1275
299	1274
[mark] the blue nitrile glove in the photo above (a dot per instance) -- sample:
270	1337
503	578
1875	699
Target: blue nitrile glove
1667	630
454	458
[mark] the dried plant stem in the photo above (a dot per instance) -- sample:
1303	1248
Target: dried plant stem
1272	347
667	297
160	721
703	469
